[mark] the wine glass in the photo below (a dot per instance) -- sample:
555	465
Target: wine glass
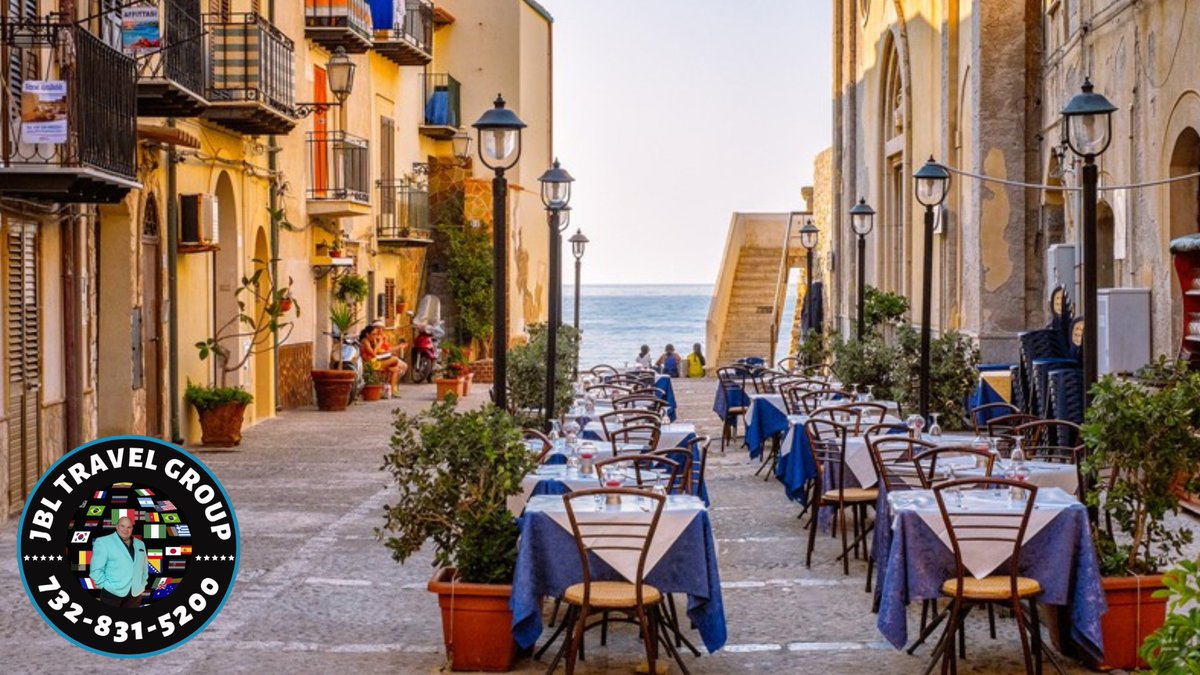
853	392
952	476
935	429
915	423
870	395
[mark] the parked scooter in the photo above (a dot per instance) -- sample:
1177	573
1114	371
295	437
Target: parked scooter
428	332
347	355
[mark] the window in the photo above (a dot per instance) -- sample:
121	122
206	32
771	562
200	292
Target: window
389	299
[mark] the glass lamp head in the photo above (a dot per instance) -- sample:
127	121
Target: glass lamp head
578	243
862	218
1088	120
933	182
499	136
556	186
809	234
340	73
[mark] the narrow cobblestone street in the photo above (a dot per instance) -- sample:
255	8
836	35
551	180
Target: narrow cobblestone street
317	593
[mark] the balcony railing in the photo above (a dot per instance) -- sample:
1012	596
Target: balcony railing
403	214
404	33
171	76
72	135
252	82
339	23
340	168
442	105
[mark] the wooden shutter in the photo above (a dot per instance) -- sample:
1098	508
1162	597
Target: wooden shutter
22	333
389	294
387	168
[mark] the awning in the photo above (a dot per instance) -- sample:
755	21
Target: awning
167	135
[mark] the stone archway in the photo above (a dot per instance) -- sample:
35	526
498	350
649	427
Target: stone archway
227	268
1105	246
1184	203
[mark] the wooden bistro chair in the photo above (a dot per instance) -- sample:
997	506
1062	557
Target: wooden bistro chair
815	398
870	412
790	364
736	407
603	370
608	391
539	443
643	468
699	447
1049	440
637	600
827	440
646	401
1001	528
842	414
893	456
634	439
1006	425
681	483
612	421
979	412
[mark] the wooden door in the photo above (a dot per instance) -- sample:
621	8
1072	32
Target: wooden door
151	324
22	330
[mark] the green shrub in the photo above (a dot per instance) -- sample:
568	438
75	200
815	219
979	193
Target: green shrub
882	308
527	369
207	398
454	472
953	358
813	349
866	362
469	268
1175	647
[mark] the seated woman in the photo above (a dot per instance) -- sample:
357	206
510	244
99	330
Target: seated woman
374	345
695	362
643	358
668	363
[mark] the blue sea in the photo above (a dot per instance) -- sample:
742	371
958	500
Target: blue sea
617	319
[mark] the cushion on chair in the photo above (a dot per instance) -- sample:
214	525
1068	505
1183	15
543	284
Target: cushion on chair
992	588
853	495
612	595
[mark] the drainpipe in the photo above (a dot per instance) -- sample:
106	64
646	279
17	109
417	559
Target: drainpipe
272	150
173	290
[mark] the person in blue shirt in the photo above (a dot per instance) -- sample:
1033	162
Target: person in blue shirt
668	363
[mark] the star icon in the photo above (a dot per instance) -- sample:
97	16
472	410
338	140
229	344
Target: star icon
60	558
26	557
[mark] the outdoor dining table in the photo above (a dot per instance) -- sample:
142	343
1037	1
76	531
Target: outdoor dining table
670	435
914	557
662	382
768	416
796	465
682	559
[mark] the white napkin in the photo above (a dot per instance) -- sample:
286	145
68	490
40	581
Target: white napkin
981	558
678	513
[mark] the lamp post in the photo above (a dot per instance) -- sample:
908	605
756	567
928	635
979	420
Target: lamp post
460	144
578	243
862	221
556	193
933	182
809	234
339	72
1088	121
499	131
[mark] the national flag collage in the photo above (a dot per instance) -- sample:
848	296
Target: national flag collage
156	522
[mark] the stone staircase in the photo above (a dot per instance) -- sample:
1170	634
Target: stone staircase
747	330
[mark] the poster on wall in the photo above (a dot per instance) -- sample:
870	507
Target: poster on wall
139	30
44	111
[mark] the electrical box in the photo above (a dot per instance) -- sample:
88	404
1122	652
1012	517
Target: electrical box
198	219
1122	329
1060	271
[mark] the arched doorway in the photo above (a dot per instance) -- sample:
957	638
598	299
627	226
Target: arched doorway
264	372
1105	246
152	366
1185	210
894	260
227	271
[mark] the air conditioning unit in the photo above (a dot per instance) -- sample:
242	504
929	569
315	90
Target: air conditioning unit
1123	329
198	219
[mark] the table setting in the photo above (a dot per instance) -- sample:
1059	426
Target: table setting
682	559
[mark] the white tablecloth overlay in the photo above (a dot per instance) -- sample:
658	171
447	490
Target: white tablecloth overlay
1041	474
678	513
858	457
981	558
797	427
671	435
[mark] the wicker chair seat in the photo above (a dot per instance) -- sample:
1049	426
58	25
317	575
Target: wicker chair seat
612	595
854	495
992	588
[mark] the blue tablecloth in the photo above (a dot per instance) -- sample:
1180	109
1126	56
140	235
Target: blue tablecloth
723	401
914	562
663	382
984	394
796	465
558	458
763	421
548	562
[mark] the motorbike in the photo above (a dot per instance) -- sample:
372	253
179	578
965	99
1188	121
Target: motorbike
428	332
347	355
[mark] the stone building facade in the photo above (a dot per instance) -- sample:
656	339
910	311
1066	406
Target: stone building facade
978	85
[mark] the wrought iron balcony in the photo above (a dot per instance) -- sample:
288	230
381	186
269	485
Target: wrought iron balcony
252	81
171	75
404	35
339	174
403	214
442	105
338	23
71	137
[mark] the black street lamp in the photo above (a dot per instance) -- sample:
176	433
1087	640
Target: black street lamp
578	243
809	234
862	221
1088	121
499	131
933	182
556	193
339	71
460	143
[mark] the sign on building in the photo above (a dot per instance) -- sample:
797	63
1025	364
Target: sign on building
44	111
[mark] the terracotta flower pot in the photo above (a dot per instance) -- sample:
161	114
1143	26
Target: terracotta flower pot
221	426
447	386
476	623
467	380
333	388
372	392
1132	616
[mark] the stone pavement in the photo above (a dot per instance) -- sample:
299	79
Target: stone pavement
317	593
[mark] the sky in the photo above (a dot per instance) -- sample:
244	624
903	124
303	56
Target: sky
673	114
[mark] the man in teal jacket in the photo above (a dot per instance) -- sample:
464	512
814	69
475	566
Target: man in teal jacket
119	566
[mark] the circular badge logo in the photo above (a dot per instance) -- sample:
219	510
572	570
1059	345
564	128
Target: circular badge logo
128	546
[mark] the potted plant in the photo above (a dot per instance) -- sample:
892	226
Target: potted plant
458	366
454	472
1175	647
335	246
335	384
401	305
373	380
450	379
1146	432
259	326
